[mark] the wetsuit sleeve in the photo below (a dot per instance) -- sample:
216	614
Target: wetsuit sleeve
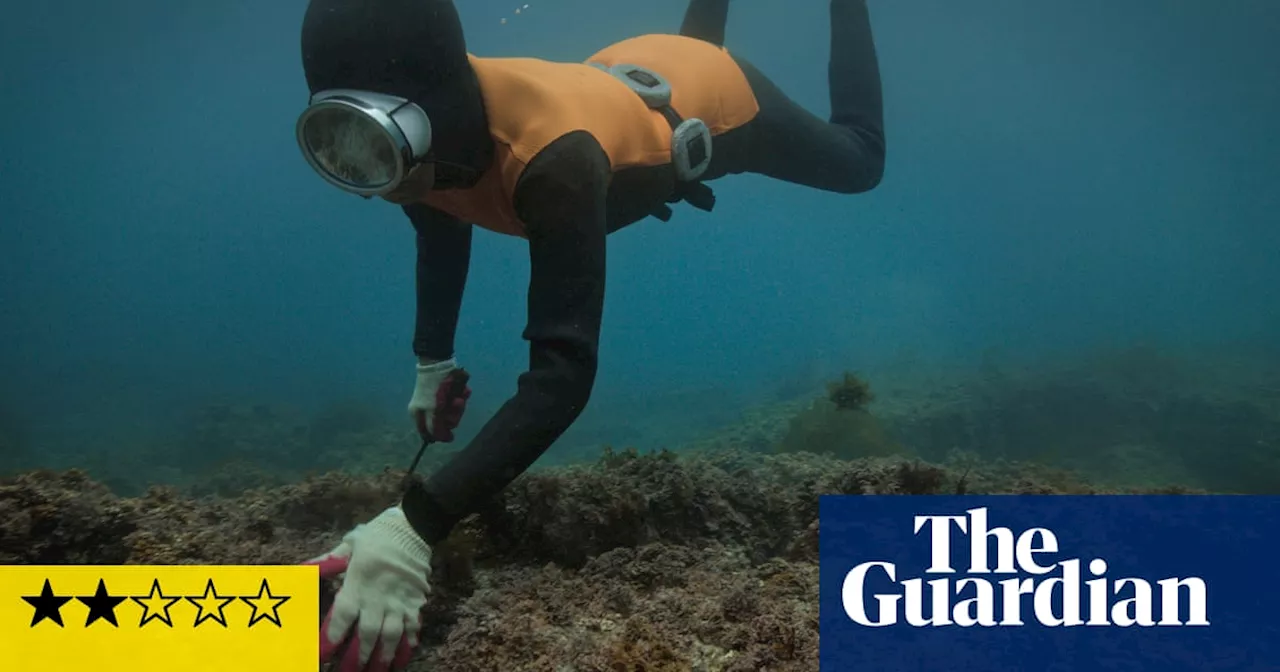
561	199
444	257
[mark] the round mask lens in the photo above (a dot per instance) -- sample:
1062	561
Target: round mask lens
351	147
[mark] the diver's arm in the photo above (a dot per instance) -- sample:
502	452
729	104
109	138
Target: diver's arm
561	199
705	20
444	257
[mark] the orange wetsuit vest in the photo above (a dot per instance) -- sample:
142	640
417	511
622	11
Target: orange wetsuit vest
531	103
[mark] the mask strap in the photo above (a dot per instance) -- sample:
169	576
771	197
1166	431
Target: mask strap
453	175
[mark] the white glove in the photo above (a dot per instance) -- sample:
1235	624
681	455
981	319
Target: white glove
386	566
424	406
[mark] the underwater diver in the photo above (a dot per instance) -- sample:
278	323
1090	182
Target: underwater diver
560	154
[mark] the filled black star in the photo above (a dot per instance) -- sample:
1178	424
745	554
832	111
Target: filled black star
101	605
47	605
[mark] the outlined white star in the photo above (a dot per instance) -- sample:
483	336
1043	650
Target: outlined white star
155	605
260	612
214	612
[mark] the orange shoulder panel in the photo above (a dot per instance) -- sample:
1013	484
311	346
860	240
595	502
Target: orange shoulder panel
705	81
532	103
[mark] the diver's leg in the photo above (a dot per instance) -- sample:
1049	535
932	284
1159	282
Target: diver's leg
845	154
705	20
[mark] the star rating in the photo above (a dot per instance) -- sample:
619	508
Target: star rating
264	595
210	601
47	605
155	605
102	605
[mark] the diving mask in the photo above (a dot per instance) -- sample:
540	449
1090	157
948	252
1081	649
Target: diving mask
363	142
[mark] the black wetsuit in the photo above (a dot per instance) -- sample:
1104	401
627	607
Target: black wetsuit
569	204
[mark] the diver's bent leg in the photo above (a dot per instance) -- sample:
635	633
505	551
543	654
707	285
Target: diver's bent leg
853	74
705	20
846	154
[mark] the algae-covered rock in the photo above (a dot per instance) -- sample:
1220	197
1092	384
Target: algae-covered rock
840	425
642	561
699	559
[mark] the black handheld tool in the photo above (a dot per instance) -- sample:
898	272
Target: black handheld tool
457	382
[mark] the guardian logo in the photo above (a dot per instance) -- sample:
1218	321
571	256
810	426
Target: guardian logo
1052	583
1027	578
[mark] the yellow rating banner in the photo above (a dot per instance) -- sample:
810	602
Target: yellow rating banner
153	618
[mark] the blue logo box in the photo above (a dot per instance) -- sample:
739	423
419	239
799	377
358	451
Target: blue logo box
1049	583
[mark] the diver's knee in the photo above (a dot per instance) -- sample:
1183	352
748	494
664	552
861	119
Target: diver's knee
865	168
580	393
572	393
874	172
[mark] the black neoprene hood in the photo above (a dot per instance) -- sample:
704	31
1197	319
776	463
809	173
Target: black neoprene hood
414	49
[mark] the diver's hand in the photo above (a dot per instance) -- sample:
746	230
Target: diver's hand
434	409
377	609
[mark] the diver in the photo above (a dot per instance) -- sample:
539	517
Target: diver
561	155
